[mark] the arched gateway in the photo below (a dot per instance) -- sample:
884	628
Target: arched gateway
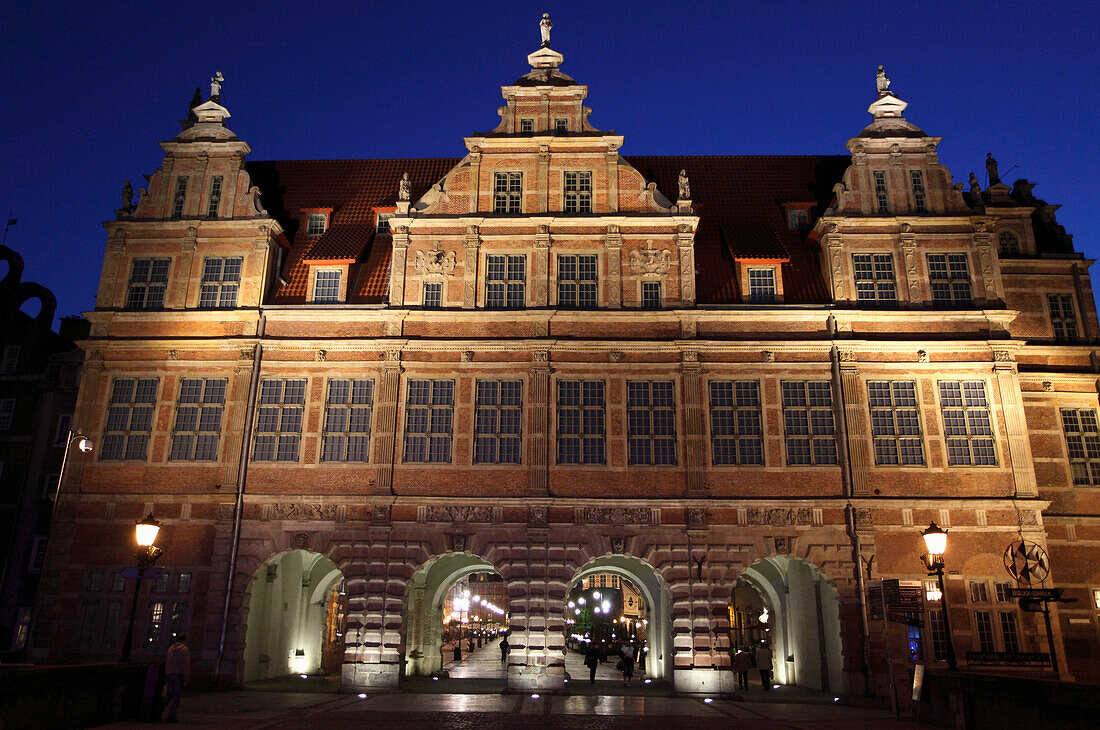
295	620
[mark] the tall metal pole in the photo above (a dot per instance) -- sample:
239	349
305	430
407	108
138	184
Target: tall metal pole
128	642
1050	639
951	663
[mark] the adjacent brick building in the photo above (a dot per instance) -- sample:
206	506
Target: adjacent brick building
548	359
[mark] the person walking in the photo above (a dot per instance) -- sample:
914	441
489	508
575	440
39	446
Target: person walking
628	662
764	664
592	660
742	663
504	649
177	668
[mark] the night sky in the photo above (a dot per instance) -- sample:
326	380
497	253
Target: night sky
89	92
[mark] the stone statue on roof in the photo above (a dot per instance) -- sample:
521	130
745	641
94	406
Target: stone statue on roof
544	27
882	82
404	188
991	170
975	189
216	85
684	186
127	197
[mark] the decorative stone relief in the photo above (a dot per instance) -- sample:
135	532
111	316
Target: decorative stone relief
618	544
435	261
768	355
1048	386
458	543
688	328
649	260
247	353
467	355
696	516
1027	517
1002	356
616	515
391	355
299	511
909	252
846	355
778	516
616	356
456	513
381	514
864	518
301	540
173	354
536	516
922	356
782	545
225	511
836	264
321	355
690	356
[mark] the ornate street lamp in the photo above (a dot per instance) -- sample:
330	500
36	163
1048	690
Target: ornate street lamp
935	539
145	533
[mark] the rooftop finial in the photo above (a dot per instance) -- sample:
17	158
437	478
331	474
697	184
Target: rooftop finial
544	27
882	81
216	85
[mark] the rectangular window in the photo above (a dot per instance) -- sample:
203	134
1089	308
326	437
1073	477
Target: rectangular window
183	583
110	623
177	623
736	431
316	224
148	282
498	419
507	192
221	279
808	422
326	287
1082	444
93	581
505	282
10	361
37	554
983	622
118	581
895	423
7	413
89	615
1062	317
651	295
279	421
180	197
129	419
433	294
198	425
874	275
577	281
920	203
950	280
967	424
429	418
1010	631
64	426
979	591
382	224
1002	592
651	415
348	408
798	220
526	125
156	623
561	125
882	200
578	192
762	286
581	432
939	635
215	197
160	582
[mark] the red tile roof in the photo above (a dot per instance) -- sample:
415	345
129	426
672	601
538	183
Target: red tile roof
739	199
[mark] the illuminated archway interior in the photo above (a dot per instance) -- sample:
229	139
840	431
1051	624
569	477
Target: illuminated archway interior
296	614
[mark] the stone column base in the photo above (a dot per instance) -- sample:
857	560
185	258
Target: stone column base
704	681
362	677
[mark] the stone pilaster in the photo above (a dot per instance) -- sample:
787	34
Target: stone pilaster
544	178
694	437
854	424
113	277
988	265
384	447
685	241
471	245
614	244
397	265
613	179
184	273
539	408
240	385
909	269
540	268
475	179
1019	445
837	281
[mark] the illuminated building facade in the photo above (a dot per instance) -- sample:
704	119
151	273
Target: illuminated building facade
549	360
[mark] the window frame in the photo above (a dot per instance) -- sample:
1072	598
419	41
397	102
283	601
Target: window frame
756	294
153	288
327	271
507	199
427	300
878	284
485	434
130	439
197	433
648	302
512	291
223	285
954	301
575	197
179	197
811	435
969	436
920	193
1088	447
9	363
280	412
582	287
647	435
896	436
344	406
731	418
881	191
430	435
588	429
1063	318
7	413
321	219
213	203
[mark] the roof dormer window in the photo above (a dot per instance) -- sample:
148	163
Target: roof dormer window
561	124
798	220
526	125
382	224
316	224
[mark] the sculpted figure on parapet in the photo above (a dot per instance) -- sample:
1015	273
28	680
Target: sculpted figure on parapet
684	186
216	85
544	27
882	82
404	189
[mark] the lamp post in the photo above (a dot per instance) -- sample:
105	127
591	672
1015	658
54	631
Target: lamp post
935	539
145	533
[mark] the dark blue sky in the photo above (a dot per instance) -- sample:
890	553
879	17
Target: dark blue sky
88	92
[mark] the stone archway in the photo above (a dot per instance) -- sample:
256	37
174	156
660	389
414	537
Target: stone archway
805	621
655	591
423	624
289	606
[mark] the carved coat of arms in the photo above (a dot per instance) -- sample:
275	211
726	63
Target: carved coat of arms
649	260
